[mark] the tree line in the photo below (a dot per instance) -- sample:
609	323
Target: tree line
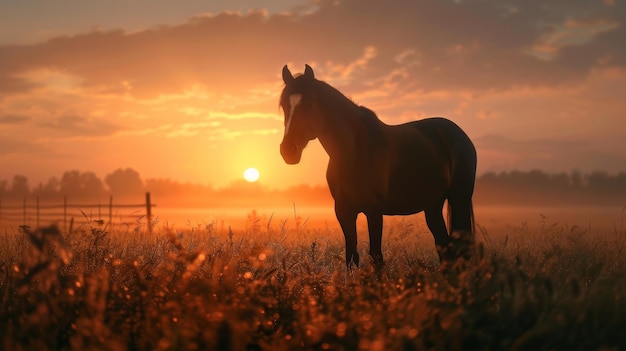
74	184
514	188
540	188
127	185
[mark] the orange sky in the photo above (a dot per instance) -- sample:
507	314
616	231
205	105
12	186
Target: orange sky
190	92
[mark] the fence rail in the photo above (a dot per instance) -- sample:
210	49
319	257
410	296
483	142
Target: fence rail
27	212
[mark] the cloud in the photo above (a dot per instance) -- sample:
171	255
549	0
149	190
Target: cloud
189	129
245	116
73	125
13	119
545	80
11	145
213	125
9	84
450	44
553	155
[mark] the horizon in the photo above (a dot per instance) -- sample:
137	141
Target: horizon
513	189
189	91
55	180
501	200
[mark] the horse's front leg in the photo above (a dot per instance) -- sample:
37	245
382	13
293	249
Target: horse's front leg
347	221
375	228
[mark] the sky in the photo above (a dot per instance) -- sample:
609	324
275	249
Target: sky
189	90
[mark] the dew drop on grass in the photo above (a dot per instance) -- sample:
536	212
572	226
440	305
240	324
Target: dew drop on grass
341	329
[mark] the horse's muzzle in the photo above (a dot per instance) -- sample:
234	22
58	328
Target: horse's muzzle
290	153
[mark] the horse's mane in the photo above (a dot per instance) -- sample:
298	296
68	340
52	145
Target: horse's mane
368	115
328	92
371	133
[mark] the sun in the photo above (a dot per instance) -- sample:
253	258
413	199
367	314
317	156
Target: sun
251	175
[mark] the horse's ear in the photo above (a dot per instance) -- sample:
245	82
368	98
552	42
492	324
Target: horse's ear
287	76
308	72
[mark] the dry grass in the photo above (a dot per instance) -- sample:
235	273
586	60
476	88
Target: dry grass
271	287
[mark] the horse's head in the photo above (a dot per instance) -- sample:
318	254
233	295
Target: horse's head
299	104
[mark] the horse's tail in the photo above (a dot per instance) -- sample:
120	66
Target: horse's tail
461	216
472	221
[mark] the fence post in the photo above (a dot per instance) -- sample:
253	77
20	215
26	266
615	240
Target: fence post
11	214
65	213
111	212
149	212
37	202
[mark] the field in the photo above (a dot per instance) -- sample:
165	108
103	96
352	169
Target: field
276	286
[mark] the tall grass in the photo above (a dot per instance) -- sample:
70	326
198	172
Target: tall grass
271	287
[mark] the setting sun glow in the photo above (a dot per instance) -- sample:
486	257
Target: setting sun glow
176	85
251	175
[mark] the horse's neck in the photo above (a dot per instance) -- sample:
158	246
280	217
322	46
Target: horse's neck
344	121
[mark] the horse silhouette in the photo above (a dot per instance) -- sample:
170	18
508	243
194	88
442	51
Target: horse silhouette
379	169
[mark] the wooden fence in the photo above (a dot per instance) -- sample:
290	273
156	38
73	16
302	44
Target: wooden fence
27	213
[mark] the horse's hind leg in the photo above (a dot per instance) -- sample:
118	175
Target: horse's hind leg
437	226
460	211
461	214
461	225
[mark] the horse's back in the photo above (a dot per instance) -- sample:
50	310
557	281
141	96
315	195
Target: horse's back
448	137
439	126
458	145
444	130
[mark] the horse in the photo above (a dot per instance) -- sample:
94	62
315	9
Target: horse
379	169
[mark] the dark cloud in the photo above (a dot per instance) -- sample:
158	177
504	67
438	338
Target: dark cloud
13	119
10	84
533	146
467	44
605	50
73	125
20	145
553	155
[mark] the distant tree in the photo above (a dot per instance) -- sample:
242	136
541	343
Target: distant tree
577	180
537	180
91	185
52	186
620	186
19	187
163	187
70	184
187	194
124	182
3	188
489	177
49	189
621	181
599	182
87	185
560	181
